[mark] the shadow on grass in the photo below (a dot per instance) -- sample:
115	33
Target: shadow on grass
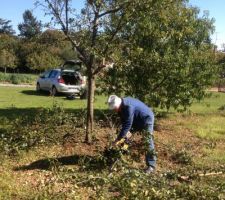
42	93
12	113
94	163
35	93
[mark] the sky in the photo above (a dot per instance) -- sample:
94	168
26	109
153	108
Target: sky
13	10
216	10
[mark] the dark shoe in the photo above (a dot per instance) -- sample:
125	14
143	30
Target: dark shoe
149	170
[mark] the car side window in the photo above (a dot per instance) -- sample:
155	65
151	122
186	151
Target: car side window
53	74
45	74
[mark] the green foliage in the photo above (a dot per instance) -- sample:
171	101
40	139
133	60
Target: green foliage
7	59
48	126
5	27
31	27
8	42
134	184
18	78
43	60
221	83
182	157
220	58
47	51
166	58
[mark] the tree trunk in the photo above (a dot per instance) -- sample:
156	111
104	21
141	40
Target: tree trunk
90	108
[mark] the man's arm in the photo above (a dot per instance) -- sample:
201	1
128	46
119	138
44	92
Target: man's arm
127	121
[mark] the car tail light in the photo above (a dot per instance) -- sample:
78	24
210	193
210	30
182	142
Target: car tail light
60	80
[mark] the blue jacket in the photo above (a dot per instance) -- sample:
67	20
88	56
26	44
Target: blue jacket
134	114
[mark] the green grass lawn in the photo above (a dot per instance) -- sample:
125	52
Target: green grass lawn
208	120
27	97
17	101
210	104
19	97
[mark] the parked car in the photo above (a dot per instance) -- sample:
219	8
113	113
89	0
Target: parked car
67	79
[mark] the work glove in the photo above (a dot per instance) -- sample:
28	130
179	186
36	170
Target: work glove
122	143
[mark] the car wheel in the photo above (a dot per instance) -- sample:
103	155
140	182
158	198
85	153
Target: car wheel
38	88
54	91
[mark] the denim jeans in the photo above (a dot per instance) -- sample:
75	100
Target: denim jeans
150	148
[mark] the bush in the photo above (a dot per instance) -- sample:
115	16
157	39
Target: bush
4	77
18	78
46	127
182	157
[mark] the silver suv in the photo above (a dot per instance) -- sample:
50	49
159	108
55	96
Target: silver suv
67	80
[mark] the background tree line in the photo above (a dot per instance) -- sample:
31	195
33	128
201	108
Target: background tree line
32	50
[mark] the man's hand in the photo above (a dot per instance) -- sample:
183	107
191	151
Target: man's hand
122	140
128	135
117	143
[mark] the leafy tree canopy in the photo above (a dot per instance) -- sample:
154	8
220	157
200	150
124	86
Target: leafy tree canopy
31	27
51	41
8	42
42	61
7	59
166	57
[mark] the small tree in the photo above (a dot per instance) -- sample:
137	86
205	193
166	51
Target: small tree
154	44
5	27
220	59
31	27
168	53
7	59
91	35
8	45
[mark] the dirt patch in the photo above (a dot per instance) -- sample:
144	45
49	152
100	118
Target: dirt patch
167	142
43	169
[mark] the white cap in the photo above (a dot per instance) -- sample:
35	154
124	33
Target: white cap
114	102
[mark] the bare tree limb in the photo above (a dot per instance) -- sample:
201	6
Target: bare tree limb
65	27
57	15
112	10
119	25
66	13
187	178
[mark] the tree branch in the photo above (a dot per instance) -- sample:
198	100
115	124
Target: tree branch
107	46
112	10
57	15
65	30
66	13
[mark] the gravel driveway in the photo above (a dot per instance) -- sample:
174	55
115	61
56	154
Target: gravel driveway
15	85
